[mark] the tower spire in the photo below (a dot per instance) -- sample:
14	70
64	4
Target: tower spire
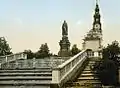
96	2
95	33
97	6
97	22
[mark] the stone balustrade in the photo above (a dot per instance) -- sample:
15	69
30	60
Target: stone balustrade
67	70
71	67
32	63
94	54
12	57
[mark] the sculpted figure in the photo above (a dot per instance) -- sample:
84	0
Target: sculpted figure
64	28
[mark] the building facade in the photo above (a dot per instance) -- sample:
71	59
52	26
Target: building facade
93	39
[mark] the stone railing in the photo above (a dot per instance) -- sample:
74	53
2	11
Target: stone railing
12	57
67	70
32	63
91	54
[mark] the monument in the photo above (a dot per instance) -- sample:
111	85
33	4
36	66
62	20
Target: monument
93	39
64	43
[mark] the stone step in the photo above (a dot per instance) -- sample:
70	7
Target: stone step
87	68
95	59
91	64
27	78
30	68
84	84
88	75
84	81
26	71
38	68
25	82
24	86
88	78
27	74
87	72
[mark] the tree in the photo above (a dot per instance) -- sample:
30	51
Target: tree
107	72
30	54
43	52
108	67
4	47
112	51
74	50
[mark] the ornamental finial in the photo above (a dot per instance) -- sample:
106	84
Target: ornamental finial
97	2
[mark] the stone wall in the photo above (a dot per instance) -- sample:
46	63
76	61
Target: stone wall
92	44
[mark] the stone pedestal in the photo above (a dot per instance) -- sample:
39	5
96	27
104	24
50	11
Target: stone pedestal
64	47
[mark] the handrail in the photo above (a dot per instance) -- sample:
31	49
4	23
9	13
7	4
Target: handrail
69	60
32	63
12	54
12	57
65	71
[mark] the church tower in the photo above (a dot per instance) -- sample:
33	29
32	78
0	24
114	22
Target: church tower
64	43
93	39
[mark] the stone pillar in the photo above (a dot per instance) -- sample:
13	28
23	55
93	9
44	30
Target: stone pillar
25	56
96	54
6	58
55	78
22	55
34	62
0	65
14	57
16	64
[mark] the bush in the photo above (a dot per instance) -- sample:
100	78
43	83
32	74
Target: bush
107	72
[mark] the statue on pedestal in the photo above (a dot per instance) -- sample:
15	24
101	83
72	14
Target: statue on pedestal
64	43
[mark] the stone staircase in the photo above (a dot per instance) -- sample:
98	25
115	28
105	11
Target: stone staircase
87	79
26	78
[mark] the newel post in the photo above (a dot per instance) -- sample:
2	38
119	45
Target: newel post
55	78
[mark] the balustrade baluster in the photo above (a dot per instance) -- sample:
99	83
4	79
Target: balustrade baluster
25	64
0	65
6	58
34	62
8	65
14	57
16	64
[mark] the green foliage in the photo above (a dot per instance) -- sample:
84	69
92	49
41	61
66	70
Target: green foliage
43	51
74	50
4	47
111	51
107	72
108	67
30	54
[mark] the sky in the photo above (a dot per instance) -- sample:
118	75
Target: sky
26	24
